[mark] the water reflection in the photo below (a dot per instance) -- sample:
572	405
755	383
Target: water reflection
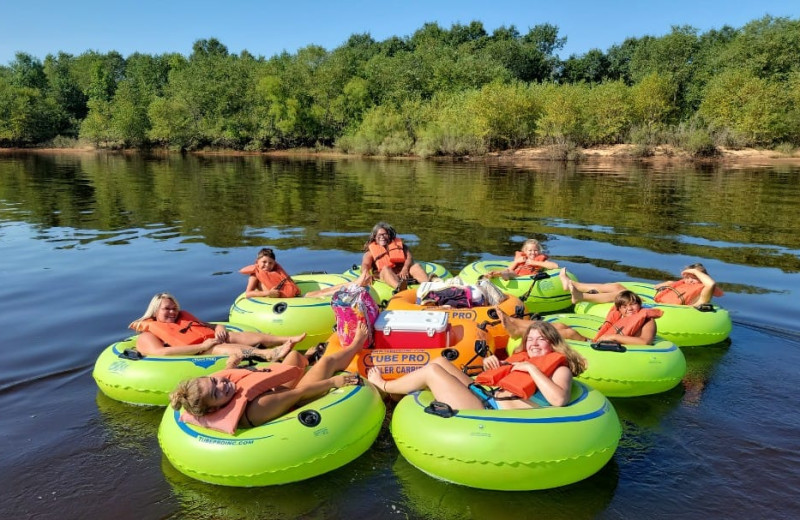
454	210
333	495
434	499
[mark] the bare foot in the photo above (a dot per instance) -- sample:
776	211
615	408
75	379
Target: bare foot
403	285
565	280
279	352
234	359
577	296
374	376
294	340
361	335
514	326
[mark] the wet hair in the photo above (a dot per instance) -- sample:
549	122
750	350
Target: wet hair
265	251
576	362
533	241
380	225
626	298
189	396
155	304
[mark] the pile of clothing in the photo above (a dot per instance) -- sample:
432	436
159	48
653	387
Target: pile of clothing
455	293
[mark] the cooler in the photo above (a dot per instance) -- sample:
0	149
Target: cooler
412	329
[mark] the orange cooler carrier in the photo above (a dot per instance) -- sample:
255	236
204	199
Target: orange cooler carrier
405	341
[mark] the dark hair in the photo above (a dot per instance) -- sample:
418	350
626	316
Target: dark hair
626	298
380	225
265	251
700	267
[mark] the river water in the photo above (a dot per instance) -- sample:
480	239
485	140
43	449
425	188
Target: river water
86	240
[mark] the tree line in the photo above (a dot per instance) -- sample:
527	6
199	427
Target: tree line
440	91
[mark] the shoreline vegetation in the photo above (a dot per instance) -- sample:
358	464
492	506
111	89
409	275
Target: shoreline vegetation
461	93
520	157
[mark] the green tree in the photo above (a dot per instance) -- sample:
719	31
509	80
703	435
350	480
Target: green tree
607	113
768	48
672	56
504	115
27	71
753	109
66	91
652	100
592	67
562	117
27	116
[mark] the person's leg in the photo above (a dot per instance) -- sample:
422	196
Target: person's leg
418	273
568	332
420	378
327	291
273	404
388	276
445	386
515	327
331	363
598	293
267	340
232	349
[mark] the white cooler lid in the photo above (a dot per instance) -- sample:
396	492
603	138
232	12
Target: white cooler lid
411	321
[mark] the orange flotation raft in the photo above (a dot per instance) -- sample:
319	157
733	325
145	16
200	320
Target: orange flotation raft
462	342
483	315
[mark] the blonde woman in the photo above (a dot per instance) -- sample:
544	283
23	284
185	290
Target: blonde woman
166	330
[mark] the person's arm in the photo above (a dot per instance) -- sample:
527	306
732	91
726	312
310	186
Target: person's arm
366	263
504	274
645	337
148	344
556	389
545	264
708	286
253	290
404	271
668	283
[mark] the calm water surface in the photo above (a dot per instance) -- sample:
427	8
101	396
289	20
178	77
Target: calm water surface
86	241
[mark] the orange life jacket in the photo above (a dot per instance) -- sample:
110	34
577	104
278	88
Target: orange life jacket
388	256
521	267
187	330
630	325
249	385
275	279
681	292
518	382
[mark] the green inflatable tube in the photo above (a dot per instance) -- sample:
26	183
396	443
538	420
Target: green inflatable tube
292	316
509	450
684	325
541	293
124	375
630	371
309	441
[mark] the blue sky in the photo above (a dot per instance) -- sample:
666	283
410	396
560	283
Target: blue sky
266	28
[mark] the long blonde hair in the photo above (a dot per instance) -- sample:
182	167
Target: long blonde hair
152	308
189	396
577	363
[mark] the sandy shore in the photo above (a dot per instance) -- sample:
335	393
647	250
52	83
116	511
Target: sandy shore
519	157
